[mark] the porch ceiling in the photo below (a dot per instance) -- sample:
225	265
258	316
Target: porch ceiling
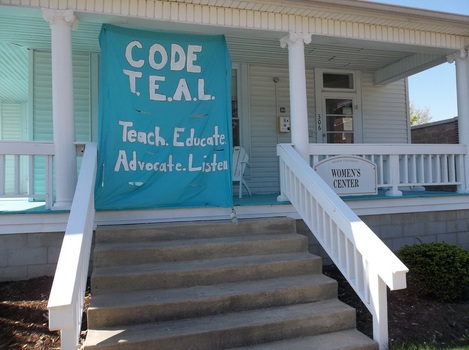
31	31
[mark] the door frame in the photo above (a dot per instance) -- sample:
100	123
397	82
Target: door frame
322	93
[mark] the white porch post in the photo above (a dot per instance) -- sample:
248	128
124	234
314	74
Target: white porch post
298	98
62	105
462	83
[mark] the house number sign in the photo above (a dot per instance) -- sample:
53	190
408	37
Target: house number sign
348	175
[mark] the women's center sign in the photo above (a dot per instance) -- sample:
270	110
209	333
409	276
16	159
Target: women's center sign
164	120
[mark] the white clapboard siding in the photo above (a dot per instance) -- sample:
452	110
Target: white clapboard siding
42	104
384	111
42	96
42	85
310	83
263	176
11	129
42	111
11	121
82	96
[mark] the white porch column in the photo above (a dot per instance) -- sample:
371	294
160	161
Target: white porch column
298	98
462	84
62	105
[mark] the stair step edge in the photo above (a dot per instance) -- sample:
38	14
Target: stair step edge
168	267
141	297
160	276
212	241
207	229
140	253
159	305
291	320
348	339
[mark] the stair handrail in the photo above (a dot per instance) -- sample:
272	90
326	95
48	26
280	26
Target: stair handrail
364	260
69	286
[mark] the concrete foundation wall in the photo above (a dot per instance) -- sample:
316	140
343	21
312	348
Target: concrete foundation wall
398	230
28	255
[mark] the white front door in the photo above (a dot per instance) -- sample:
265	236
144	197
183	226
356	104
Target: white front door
338	111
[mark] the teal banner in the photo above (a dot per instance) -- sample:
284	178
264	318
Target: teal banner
164	121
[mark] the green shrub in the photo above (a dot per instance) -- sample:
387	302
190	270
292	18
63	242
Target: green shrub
438	270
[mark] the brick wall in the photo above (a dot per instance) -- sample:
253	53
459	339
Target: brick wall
445	131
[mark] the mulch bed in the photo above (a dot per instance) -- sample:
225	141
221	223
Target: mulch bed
24	316
412	319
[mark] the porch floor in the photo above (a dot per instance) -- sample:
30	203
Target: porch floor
24	206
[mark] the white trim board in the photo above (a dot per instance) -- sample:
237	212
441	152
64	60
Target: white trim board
56	222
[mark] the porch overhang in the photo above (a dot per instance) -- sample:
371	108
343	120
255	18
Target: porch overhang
407	66
391	41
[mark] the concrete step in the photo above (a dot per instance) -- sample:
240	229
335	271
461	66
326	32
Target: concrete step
191	230
228	330
110	254
345	340
161	305
201	272
214	286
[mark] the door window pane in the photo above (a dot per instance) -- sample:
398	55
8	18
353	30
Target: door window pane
339	106
339	120
340	137
339	124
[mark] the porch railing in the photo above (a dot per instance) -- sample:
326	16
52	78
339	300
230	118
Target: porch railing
364	260
69	286
404	165
26	170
